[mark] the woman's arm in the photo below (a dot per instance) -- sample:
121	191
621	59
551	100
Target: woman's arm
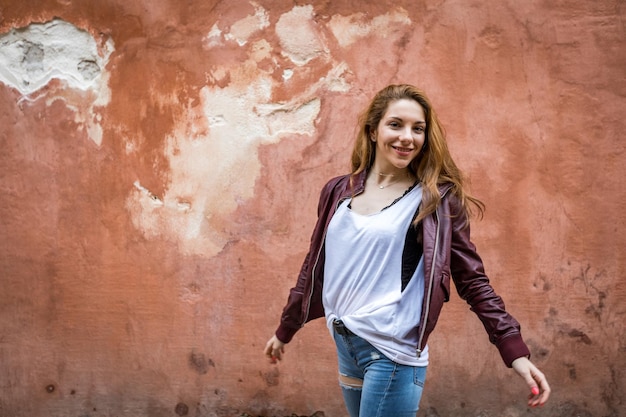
472	284
504	331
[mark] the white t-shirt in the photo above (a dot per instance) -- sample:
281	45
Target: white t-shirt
362	278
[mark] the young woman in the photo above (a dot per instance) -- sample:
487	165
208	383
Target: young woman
389	237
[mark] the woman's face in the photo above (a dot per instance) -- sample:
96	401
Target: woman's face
399	136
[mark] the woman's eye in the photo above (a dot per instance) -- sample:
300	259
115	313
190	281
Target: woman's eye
418	129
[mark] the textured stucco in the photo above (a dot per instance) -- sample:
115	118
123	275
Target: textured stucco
160	168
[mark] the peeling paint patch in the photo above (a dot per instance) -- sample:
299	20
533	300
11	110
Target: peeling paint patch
241	30
261	50
213	171
337	78
31	57
285	118
154	200
350	29
212	151
298	37
287	74
213	38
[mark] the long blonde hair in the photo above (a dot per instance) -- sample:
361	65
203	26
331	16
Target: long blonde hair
433	166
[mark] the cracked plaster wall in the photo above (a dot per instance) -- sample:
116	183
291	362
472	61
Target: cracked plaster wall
160	169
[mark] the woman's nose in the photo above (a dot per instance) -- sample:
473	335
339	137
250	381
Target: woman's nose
406	133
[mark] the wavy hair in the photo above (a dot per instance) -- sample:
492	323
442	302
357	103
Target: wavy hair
434	164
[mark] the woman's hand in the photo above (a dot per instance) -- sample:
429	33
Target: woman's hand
539	388
274	349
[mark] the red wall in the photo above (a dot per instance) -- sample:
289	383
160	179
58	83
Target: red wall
155	211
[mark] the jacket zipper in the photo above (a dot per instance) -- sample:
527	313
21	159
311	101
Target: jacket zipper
317	258
430	288
432	280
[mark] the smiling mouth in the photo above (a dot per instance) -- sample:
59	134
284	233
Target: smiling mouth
402	149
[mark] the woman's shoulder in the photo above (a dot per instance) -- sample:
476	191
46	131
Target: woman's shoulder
342	185
446	189
336	184
337	181
450	198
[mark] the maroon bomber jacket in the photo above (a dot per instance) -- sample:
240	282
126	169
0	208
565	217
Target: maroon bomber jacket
448	253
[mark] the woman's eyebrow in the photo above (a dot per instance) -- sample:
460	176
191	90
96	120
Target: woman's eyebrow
420	122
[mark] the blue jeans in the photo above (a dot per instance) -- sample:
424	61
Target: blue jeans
389	389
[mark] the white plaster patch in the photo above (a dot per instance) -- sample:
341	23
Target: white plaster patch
281	119
298	37
241	30
213	172
214	168
213	38
349	29
33	56
217	74
336	79
261	50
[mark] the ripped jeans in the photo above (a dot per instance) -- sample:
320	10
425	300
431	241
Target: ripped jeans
388	389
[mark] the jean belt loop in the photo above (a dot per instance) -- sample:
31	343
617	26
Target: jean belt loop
341	328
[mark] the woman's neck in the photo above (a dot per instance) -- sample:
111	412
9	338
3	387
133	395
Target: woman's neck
389	178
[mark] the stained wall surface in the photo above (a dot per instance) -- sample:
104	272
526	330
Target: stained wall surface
160	167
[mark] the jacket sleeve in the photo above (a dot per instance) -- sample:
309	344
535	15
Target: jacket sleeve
291	319
473	286
293	315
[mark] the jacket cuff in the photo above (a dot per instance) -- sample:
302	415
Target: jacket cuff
513	347
285	334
